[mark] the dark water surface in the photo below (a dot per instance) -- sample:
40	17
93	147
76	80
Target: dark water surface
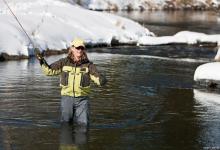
150	102
170	22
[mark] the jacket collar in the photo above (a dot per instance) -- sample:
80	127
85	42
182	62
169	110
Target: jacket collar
79	62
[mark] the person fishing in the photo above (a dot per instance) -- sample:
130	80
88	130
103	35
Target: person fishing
76	72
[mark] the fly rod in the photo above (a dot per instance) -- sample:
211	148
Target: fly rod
36	50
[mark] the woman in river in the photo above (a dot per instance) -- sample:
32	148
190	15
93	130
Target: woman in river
76	72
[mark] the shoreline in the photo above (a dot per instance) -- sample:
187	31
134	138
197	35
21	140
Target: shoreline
48	52
171	7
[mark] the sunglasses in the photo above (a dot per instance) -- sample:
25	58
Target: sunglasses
80	48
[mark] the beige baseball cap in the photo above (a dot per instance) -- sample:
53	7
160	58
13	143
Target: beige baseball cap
78	42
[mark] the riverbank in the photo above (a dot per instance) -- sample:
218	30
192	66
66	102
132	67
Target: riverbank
113	5
48	52
56	29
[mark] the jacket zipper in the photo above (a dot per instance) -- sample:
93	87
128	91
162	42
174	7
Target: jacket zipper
74	81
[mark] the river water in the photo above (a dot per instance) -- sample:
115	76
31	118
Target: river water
150	101
170	22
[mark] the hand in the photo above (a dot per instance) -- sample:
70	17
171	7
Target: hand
38	54
41	59
103	80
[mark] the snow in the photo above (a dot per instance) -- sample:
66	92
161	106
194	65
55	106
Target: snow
125	4
148	4
52	24
183	37
208	71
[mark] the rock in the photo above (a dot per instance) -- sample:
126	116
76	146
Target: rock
4	57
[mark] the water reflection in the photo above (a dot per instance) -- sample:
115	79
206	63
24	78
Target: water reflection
73	137
171	22
179	17
208	98
208	110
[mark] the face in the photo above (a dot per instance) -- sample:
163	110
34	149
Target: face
77	51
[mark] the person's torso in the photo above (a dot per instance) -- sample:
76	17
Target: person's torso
75	78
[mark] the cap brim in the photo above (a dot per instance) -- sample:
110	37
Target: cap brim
78	45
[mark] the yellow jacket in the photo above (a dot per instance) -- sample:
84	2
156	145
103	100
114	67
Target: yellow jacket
74	77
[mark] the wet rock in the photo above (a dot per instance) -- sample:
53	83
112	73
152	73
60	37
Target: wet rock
54	52
212	84
162	5
114	41
4	57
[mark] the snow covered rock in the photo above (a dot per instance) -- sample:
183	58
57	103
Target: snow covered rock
208	74
183	37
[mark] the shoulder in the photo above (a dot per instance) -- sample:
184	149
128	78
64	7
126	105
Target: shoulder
87	63
65	60
62	61
92	67
91	64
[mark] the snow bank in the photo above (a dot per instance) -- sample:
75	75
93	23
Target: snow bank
208	72
52	24
149	4
183	37
125	4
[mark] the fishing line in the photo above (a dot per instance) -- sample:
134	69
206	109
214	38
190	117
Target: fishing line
36	50
19	22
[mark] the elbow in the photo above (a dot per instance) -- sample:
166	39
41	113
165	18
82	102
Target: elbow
46	73
46	70
102	80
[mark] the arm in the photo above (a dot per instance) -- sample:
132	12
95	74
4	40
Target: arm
53	69
98	78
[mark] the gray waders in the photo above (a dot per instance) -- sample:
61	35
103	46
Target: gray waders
75	109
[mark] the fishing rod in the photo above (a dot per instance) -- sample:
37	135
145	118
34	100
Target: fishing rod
36	50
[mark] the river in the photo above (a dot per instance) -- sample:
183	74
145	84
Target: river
150	102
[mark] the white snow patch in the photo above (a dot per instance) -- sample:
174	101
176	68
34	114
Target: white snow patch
208	71
183	37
